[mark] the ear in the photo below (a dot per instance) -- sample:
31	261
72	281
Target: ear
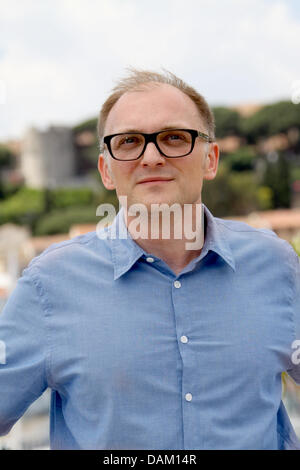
105	173
212	161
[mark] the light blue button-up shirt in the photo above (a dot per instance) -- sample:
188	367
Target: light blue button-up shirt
139	358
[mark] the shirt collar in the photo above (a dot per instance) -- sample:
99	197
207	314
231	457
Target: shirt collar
125	251
216	240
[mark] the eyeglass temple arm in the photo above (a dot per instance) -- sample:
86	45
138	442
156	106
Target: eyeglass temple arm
205	137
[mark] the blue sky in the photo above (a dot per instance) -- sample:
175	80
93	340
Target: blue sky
294	7
59	59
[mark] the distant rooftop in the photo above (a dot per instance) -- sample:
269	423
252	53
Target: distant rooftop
280	219
247	109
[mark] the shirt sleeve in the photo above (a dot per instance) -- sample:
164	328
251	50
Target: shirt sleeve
22	352
294	370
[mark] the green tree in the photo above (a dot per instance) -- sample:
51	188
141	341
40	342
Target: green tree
228	121
271	119
88	125
231	192
241	160
66	197
277	177
295	242
5	162
60	220
5	156
23	208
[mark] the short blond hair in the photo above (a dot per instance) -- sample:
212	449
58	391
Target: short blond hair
137	80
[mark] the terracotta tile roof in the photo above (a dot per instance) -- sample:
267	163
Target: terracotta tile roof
3	293
280	219
230	143
39	244
273	143
80	229
85	139
277	220
247	109
35	245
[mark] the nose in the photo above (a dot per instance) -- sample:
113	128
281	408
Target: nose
152	157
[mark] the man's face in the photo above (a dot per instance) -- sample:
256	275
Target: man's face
156	108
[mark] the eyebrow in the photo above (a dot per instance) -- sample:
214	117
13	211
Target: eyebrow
165	128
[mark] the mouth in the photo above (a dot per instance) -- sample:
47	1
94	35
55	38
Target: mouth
154	180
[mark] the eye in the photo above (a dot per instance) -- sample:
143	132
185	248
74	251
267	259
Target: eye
125	141
129	140
175	137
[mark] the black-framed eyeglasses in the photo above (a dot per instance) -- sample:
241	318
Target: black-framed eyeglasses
171	143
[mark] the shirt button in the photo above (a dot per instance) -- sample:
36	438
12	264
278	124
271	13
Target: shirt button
183	339
188	397
150	259
177	284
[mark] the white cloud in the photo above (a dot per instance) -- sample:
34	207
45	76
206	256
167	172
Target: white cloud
59	59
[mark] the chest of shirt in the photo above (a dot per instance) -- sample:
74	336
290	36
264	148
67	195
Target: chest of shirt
145	322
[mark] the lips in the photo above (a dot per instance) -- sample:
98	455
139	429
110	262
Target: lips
154	180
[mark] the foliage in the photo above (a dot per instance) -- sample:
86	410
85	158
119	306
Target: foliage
295	242
228	122
241	160
277	177
53	211
242	193
24	207
5	156
265	197
60	221
9	189
271	119
5	162
107	197
88	157
231	193
66	197
295	173
88	125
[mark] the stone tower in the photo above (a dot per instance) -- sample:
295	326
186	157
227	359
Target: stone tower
48	158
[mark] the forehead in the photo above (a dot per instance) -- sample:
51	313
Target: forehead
152	108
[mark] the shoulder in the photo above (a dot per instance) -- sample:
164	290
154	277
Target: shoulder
69	252
243	229
241	235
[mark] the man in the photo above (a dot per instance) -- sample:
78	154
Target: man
147	344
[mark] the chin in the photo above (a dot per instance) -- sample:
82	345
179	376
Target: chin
154	197
160	200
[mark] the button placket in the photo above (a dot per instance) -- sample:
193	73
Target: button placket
183	325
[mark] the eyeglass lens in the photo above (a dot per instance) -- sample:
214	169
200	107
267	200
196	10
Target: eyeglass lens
172	143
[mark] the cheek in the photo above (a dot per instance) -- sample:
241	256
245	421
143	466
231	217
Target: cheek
192	171
122	173
193	178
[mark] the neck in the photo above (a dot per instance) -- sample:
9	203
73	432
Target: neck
175	235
